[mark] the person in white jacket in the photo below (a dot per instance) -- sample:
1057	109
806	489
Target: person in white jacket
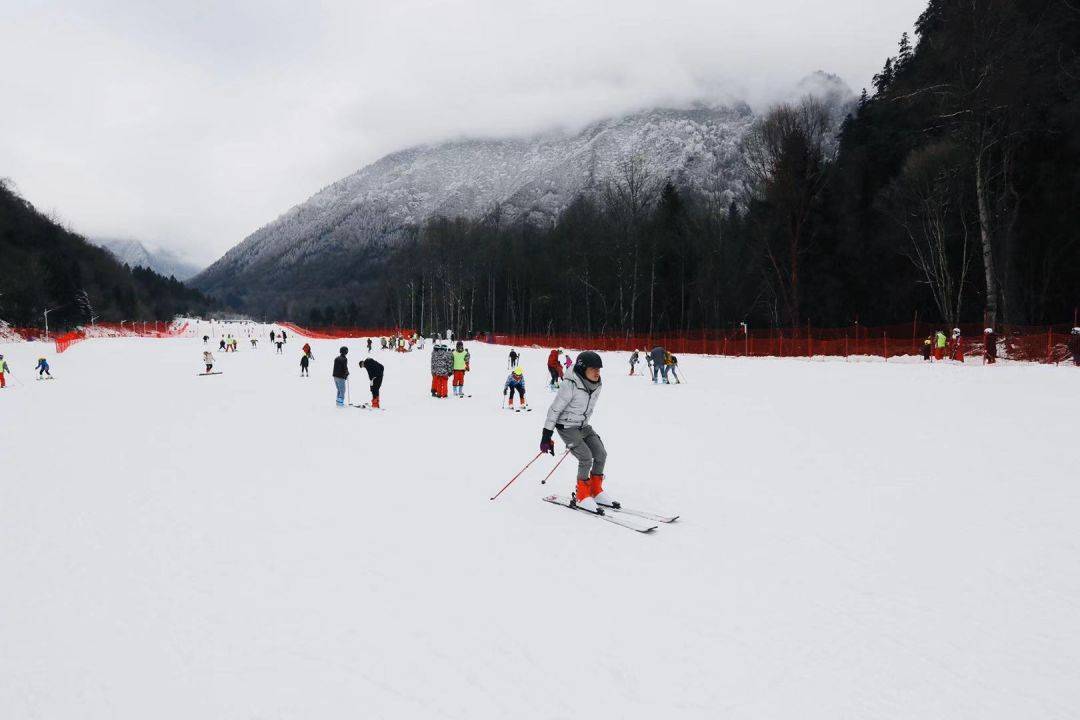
569	414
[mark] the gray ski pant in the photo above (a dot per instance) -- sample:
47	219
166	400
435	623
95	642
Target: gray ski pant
587	447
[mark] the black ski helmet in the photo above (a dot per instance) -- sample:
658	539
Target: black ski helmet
344	350
587	359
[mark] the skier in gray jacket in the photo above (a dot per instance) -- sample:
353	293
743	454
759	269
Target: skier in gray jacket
569	414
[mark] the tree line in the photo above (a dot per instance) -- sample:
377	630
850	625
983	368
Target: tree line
950	191
44	266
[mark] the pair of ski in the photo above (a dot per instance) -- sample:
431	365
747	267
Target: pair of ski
364	406
45	378
639	520
209	373
525	408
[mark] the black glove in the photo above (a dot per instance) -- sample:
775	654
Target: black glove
504	391
546	443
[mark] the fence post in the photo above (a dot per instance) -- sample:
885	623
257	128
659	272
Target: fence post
885	339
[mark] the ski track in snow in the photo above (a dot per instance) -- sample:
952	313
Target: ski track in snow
858	539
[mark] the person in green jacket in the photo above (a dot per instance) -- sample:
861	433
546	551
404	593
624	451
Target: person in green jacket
4	370
461	366
940	341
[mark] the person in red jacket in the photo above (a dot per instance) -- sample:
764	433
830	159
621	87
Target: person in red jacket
555	368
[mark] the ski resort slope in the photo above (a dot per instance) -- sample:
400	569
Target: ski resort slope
857	540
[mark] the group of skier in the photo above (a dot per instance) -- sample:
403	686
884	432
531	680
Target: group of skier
447	363
939	347
340	374
42	368
663	366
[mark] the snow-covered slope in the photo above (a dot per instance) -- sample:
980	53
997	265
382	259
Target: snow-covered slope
314	243
858	540
135	253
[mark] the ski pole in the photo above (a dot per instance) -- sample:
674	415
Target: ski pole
544	481
348	391
518	475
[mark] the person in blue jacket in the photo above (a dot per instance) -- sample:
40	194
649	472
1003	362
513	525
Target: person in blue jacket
515	381
43	368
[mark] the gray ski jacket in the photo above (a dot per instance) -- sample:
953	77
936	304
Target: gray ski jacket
573	404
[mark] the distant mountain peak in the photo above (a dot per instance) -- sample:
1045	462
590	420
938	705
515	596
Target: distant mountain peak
136	254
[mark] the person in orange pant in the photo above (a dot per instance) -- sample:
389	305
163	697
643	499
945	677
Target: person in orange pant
3	371
441	366
515	382
569	414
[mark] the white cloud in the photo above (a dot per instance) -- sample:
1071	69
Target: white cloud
191	124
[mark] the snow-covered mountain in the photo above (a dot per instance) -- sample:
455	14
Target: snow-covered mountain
134	253
321	243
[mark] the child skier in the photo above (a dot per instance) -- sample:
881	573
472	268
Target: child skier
515	381
461	366
208	360
634	360
375	376
221	346
43	368
279	343
4	370
513	358
939	345
927	348
569	414
369	346
341	375
956	347
305	359
254	343
672	364
442	365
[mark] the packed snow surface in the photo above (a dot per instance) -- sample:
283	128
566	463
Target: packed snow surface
858	540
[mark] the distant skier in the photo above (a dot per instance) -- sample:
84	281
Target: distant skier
205	339
341	375
461	366
515	382
4	370
369	346
283	338
375	377
305	360
254	342
554	368
939	345
1074	345
658	367
279	344
221	346
956	346
272	336
43	368
208	360
513	358
442	365
307	351
569	414
927	348
989	346
672	364
382	343
634	360
567	362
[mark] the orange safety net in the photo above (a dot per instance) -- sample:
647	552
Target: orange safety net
104	330
335	333
1048	344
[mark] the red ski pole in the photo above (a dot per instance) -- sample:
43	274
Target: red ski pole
544	481
518	475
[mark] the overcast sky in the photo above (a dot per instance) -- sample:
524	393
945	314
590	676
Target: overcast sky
190	124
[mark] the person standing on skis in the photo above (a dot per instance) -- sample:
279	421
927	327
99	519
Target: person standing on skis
442	365
513	358
305	360
369	346
1074	345
461	366
672	364
42	368
375	376
515	381
341	375
208	360
554	368
4	370
569	415
634	360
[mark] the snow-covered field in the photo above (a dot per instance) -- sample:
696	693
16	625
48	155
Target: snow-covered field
858	540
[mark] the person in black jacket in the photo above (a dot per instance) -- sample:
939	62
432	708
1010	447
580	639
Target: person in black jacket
341	375
1074	345
375	374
